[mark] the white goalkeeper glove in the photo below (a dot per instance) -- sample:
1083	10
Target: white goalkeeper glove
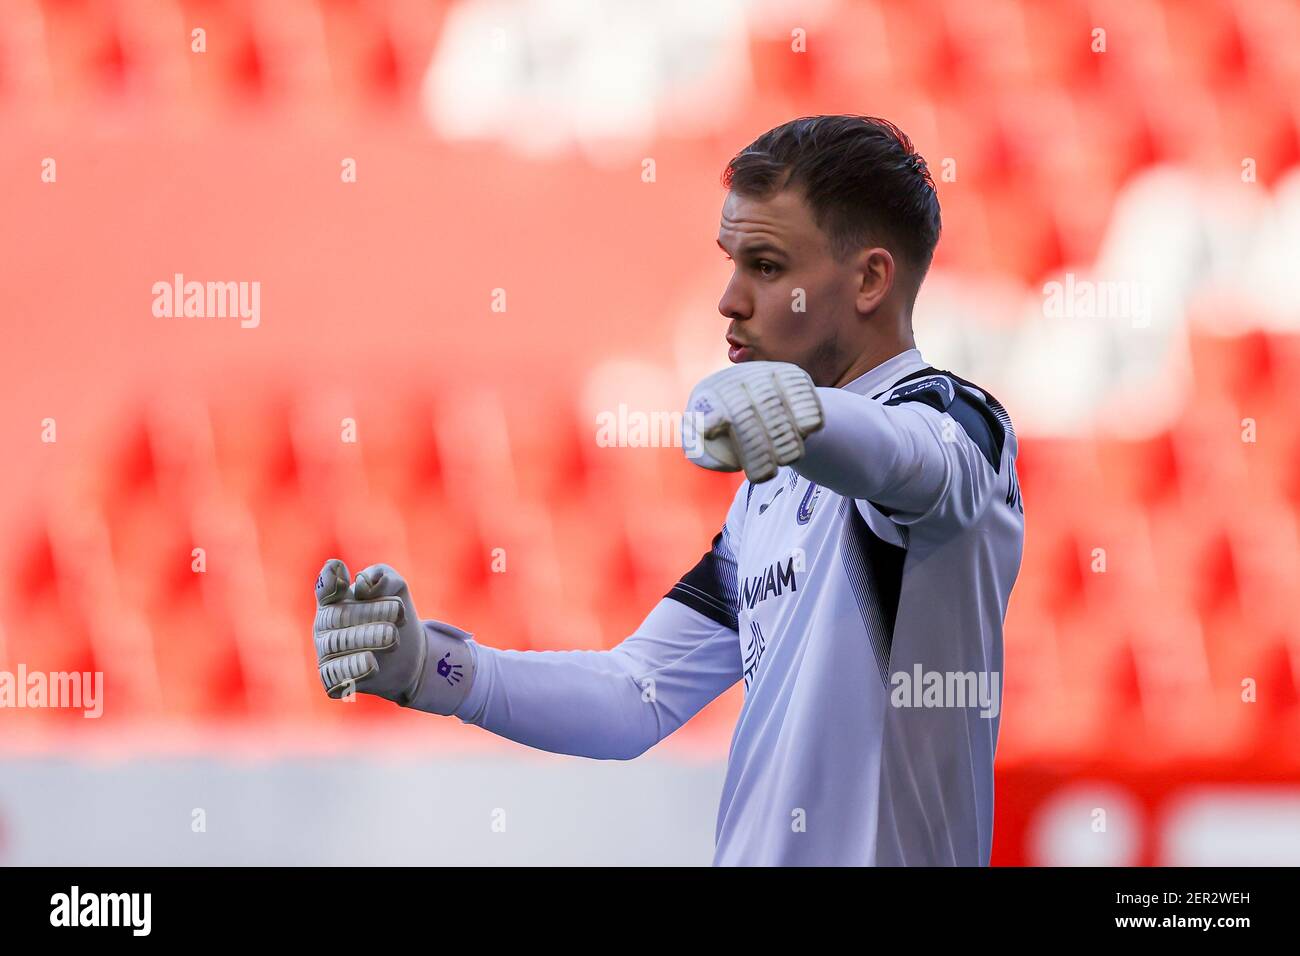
370	639
754	416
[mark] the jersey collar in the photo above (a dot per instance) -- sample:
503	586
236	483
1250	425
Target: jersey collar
887	373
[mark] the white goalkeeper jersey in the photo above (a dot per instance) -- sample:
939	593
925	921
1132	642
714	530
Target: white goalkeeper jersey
866	625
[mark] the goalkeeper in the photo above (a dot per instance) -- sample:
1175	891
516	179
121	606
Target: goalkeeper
872	546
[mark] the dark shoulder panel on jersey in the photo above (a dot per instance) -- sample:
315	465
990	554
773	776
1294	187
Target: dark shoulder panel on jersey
939	389
875	571
710	586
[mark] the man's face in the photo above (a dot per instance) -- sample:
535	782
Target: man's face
778	250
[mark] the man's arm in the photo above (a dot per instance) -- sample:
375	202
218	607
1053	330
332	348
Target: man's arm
934	454
931	451
619	703
612	704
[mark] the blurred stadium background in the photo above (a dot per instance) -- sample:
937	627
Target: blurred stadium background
1141	153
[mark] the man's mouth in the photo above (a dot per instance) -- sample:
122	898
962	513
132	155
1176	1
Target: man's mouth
738	351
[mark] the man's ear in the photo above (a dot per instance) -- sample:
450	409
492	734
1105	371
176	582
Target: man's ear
876	271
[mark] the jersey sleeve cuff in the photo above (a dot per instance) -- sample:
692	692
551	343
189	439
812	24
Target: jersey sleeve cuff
484	666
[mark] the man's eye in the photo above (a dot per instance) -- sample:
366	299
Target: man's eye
766	269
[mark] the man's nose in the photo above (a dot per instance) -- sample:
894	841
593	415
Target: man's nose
735	304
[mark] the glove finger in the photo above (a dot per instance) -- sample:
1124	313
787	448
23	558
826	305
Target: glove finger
707	438
775	400
707	413
756	448
332	582
716	454
349	640
352	612
802	400
342	674
378	580
760	470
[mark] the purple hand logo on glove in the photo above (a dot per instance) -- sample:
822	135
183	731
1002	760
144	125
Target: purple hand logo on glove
448	670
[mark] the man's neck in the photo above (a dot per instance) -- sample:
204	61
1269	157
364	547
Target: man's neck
875	354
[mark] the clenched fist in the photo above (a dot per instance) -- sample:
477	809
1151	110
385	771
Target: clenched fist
754	416
370	639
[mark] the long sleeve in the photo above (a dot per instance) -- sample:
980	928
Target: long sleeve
612	704
618	703
932	456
